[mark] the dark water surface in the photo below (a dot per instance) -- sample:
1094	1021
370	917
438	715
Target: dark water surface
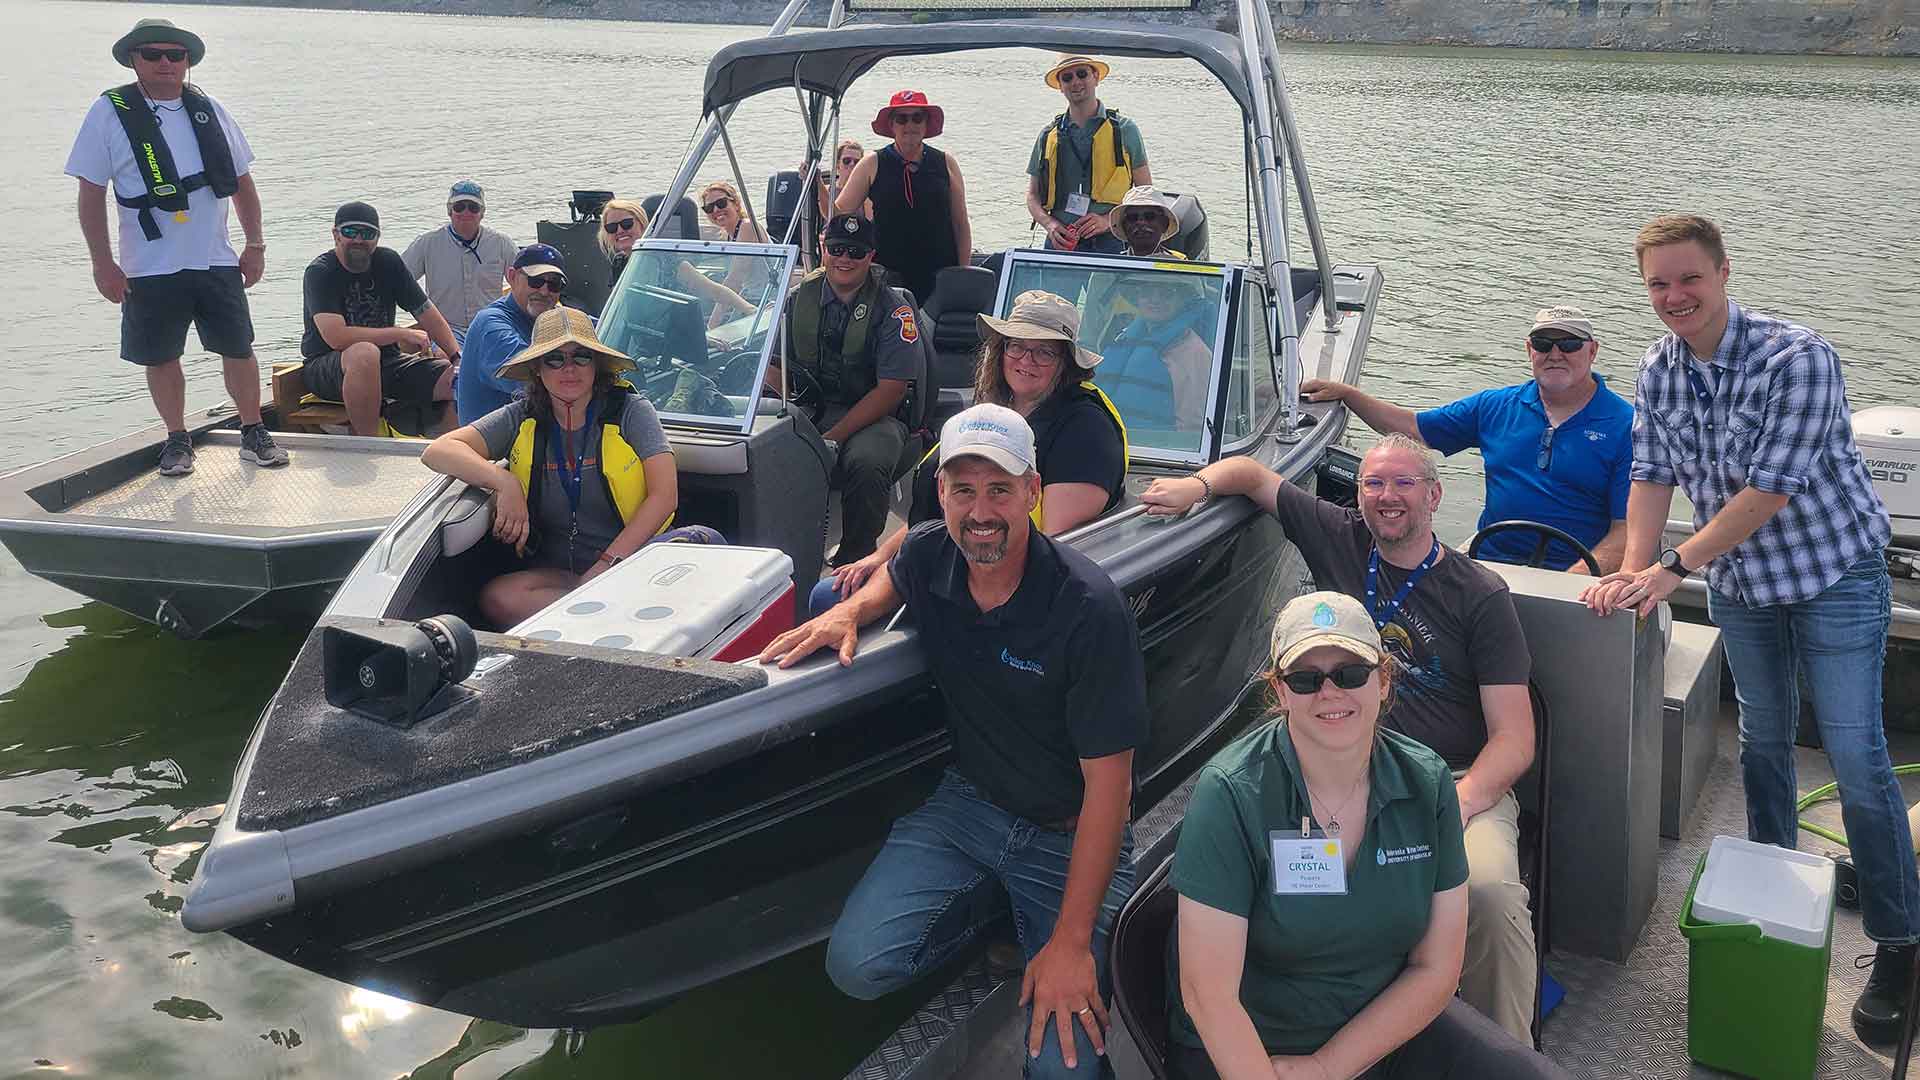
1488	183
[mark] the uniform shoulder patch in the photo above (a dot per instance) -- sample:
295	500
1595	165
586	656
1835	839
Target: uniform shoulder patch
909	330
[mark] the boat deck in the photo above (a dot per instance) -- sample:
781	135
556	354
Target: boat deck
1618	1022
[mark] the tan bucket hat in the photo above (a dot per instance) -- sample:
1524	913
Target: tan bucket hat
1147	196
1099	67
1040	314
1324	618
554	328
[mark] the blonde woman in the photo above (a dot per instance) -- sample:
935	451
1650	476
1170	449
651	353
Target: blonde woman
621	223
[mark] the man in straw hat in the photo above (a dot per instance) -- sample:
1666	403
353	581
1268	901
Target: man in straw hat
1083	162
1145	221
177	265
1038	658
589	476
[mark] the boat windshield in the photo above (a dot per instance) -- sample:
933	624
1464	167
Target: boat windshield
1158	327
697	319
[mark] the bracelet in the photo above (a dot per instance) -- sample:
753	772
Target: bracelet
1205	488
257	246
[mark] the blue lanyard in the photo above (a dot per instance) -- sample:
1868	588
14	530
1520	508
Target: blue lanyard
1383	616
1700	392
571	464
473	248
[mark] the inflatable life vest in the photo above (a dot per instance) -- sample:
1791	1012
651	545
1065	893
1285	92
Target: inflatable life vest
622	474
166	188
850	375
1041	454
1111	173
1134	370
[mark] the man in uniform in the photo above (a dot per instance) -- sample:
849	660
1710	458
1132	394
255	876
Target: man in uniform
463	262
1039	661
177	265
1451	626
859	339
1083	162
503	328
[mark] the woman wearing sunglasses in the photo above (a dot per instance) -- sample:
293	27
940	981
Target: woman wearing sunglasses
1322	879
919	200
621	223
589	476
721	202
845	157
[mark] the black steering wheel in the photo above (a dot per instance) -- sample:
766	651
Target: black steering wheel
804	393
1546	533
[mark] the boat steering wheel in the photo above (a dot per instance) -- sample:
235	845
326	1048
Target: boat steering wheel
804	393
1546	534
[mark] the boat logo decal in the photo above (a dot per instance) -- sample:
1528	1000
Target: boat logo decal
1323	615
909	332
1032	667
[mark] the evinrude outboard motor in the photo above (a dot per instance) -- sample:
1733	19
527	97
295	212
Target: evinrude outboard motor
589	274
784	192
1889	440
396	674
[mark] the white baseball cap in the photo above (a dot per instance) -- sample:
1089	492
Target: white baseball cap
994	432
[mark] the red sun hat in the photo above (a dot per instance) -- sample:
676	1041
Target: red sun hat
909	99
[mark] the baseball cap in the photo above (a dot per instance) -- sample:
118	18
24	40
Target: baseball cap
994	432
850	228
357	213
1563	317
1324	618
467	189
540	259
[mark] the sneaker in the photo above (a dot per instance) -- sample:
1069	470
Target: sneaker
176	458
258	448
1883	1004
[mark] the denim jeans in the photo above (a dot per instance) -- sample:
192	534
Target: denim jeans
822	597
938	883
1840	638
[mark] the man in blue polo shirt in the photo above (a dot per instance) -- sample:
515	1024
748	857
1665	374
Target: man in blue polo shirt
1038	658
1558	448
504	327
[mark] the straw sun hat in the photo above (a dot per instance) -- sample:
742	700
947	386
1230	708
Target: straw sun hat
557	327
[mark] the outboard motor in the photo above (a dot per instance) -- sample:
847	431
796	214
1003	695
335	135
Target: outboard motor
784	192
1889	439
589	275
396	674
1191	240
683	225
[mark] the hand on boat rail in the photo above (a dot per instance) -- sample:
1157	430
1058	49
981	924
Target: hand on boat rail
1174	496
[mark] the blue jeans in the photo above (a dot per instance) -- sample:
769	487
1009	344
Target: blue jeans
822	598
937	884
1840	638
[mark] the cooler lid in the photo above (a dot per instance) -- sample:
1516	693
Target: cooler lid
1787	894
668	599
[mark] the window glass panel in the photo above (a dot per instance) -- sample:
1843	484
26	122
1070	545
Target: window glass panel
1251	392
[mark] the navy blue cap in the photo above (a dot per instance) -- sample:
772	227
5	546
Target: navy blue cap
849	228
540	259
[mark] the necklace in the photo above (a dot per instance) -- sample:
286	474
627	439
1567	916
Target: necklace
1333	817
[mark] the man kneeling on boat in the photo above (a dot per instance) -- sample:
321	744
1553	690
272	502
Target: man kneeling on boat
1450	626
589	476
1039	662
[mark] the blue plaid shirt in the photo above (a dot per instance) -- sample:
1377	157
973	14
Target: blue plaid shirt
1769	410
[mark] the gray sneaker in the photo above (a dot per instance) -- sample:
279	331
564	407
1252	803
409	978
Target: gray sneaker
258	448
176	458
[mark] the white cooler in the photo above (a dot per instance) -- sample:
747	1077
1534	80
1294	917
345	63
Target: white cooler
703	600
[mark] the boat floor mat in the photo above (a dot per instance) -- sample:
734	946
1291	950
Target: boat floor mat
315	761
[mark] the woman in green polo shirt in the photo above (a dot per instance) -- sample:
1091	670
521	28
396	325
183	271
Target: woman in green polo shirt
1322	881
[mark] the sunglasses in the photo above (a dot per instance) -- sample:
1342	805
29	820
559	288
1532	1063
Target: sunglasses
1076	74
1541	343
717	205
622	225
849	251
1374	485
849	162
1346	677
1044	354
909	117
1128	221
465	208
554	361
549	282
156	55
359	232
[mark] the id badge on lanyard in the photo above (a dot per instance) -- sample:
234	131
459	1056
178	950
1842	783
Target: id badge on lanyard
1078	204
1307	863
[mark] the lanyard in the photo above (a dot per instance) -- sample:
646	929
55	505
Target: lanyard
1700	392
1085	160
473	247
572	464
1383	616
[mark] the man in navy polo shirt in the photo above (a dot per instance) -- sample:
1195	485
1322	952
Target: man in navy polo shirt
1038	659
1558	448
504	327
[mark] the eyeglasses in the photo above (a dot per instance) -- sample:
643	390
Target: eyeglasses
909	117
554	361
849	162
465	208
717	205
620	226
549	282
360	232
1375	485
1346	677
1128	221
1544	460
1541	343
848	251
1038	353
152	55
1076	74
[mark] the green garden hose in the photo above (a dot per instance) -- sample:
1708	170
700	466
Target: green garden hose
1821	794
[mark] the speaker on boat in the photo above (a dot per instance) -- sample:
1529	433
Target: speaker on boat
396	674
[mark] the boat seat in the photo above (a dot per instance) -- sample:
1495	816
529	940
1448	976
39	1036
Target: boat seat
1137	959
1191	238
298	409
960	295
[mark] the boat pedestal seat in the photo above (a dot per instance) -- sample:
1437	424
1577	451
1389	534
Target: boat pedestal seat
701	600
1690	721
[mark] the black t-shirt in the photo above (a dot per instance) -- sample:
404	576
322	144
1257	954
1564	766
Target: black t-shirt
1075	442
365	299
1051	676
1457	632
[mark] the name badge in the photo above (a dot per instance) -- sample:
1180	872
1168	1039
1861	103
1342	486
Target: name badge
1078	204
1313	864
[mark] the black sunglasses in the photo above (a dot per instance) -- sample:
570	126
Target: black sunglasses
909	117
1346	677
1076	74
465	208
153	55
1541	343
554	361
848	251
549	282
849	162
359	232
717	205
620	226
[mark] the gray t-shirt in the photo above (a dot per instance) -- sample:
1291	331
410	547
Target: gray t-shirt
599	522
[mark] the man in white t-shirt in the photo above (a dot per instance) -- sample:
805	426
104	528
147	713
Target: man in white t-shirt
464	262
177	265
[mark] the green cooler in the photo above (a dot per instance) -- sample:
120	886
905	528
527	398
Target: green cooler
1758	921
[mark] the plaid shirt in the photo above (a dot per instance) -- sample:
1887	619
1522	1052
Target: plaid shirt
1770	411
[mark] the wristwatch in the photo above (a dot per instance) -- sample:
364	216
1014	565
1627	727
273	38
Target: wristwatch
1670	561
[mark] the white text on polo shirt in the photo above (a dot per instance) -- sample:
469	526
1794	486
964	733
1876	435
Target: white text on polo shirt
1389	856
1030	666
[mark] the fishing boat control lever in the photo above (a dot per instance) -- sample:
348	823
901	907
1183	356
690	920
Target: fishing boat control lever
399	673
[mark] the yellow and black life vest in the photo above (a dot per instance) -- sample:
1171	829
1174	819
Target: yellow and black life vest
166	188
622	474
1126	459
1112	167
850	374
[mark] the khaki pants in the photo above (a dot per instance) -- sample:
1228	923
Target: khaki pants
1500	970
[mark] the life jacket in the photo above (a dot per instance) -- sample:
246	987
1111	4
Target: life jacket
1041	454
1133	368
623	475
166	188
1112	168
851	374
